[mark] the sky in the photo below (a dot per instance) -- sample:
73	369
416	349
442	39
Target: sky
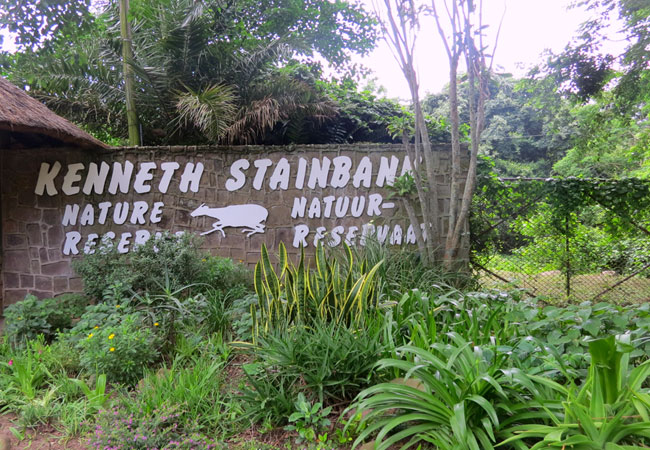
529	27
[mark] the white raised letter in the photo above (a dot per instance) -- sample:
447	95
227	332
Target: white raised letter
300	232
387	171
328	201
123	245
87	215
103	212
410	235
139	209
335	236
96	179
121	177
363	174
320	234
168	169
280	175
71	177
299	206
358	203
406	165
141	237
314	208
120	212
374	203
46	179
396	235
70	215
72	238
191	177
367	229
262	165
302	171
382	233
318	172
144	175
239	177
341	207
351	235
89	248
341	173
156	212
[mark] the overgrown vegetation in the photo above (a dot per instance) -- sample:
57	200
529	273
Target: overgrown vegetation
564	238
440	367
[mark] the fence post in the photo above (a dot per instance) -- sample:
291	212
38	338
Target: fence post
568	257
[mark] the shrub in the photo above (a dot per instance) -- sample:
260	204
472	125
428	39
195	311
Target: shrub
101	315
121	429
327	361
122	351
298	295
30	317
451	395
402	269
102	269
164	262
610	410
196	387
241	318
225	275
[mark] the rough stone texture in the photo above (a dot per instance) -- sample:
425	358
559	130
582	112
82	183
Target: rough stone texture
33	235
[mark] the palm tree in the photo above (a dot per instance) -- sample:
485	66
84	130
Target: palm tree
206	71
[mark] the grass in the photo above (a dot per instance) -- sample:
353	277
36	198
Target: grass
551	286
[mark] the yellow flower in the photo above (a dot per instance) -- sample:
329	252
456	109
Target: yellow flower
96	326
90	335
204	260
117	306
112	349
156	324
111	336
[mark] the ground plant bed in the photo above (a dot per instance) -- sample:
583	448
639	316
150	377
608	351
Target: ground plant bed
366	349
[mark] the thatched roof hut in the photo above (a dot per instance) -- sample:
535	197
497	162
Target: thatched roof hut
29	123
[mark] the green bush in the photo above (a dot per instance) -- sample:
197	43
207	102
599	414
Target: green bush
326	361
196	386
452	395
296	295
120	428
103	269
101	315
609	411
225	276
30	317
401	269
164	262
168	257
121	351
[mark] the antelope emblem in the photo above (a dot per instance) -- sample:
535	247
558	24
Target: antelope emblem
249	217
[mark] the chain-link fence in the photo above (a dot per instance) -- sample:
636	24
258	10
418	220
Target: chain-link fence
564	240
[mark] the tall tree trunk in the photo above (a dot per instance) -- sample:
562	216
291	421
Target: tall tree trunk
129	81
456	174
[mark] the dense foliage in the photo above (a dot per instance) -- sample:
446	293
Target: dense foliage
205	71
572	226
435	366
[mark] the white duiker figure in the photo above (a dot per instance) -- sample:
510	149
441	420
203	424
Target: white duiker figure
249	217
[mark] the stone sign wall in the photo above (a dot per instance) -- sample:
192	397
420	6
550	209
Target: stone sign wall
57	204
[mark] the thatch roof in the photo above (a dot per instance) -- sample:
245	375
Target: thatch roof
23	115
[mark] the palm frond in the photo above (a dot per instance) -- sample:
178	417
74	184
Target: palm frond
211	110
